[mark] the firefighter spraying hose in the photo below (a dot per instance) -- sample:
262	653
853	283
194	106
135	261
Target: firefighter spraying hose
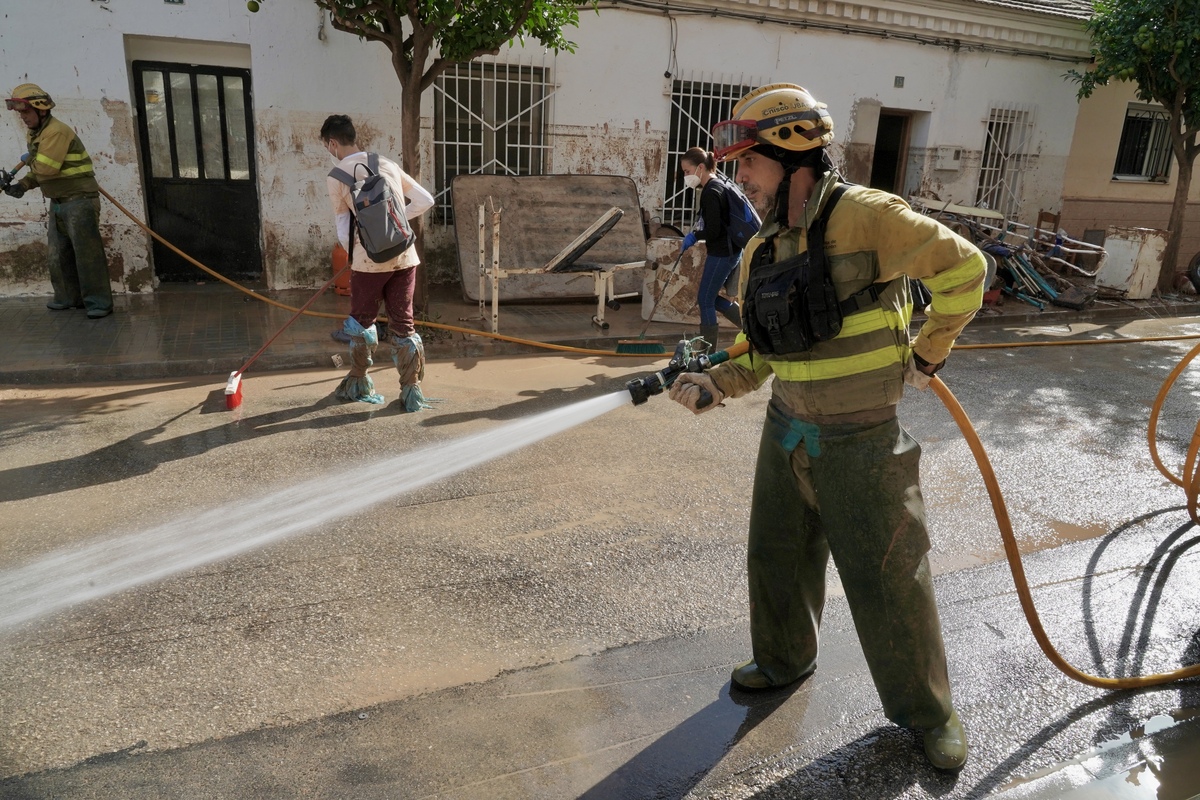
827	304
683	361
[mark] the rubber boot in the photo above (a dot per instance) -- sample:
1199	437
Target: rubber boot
408	354
946	745
357	386
733	314
709	334
749	678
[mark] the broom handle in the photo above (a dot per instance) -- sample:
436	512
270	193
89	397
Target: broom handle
295	317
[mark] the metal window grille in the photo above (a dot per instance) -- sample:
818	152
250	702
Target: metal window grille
489	118
1145	149
1005	156
697	103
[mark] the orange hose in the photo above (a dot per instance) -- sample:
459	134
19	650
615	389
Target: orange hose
1013	552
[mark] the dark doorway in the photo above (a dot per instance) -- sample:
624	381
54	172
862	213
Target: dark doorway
891	151
196	130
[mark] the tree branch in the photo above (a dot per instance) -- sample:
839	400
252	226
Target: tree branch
439	65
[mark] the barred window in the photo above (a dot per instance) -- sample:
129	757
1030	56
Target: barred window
696	105
1145	150
488	118
1006	147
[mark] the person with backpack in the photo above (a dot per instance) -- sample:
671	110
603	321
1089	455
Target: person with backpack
723	254
371	217
826	306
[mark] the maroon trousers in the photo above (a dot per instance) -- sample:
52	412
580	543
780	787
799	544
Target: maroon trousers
394	289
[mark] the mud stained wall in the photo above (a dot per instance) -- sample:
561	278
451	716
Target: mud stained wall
637	151
611	109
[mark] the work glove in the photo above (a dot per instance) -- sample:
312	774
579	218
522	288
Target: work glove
918	372
686	391
14	190
689	240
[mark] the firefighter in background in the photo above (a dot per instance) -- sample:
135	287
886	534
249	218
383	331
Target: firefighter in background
836	473
60	166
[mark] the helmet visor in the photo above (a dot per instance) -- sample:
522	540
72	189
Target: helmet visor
733	136
15	104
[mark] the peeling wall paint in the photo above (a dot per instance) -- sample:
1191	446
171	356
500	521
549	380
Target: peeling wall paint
611	111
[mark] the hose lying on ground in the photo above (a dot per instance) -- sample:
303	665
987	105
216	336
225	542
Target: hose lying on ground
1189	480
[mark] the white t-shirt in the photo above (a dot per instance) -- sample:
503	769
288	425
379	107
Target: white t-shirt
417	202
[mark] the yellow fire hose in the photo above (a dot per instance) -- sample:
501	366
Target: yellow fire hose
1189	480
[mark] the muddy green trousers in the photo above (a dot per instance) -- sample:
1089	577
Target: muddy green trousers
78	265
850	491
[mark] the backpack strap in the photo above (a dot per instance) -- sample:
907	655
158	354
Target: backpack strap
340	175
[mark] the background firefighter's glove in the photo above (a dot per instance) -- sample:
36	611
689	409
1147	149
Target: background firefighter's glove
688	241
14	190
686	391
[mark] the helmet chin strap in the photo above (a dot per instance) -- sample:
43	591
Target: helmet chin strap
781	196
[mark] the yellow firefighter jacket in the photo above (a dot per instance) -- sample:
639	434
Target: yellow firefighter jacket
58	162
872	237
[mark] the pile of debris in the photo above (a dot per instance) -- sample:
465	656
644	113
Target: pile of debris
1028	262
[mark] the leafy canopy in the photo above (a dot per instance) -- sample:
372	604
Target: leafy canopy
1155	44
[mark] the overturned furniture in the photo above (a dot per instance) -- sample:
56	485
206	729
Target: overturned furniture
557	232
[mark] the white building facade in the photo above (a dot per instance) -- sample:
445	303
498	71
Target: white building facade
202	117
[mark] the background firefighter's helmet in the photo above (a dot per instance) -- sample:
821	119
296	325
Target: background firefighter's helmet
781	115
32	94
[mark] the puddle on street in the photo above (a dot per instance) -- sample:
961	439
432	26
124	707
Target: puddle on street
1159	760
1066	532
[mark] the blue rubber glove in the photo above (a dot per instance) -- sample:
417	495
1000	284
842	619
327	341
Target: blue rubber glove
689	240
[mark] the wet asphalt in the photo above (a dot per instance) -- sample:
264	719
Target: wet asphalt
561	622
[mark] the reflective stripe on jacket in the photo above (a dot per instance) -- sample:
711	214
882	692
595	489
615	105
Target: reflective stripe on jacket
873	237
58	162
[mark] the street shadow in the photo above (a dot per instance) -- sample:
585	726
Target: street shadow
1124	714
1153	576
883	763
142	452
51	412
1121	720
678	760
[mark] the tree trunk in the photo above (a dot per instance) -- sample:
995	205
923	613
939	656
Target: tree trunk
1170	257
410	154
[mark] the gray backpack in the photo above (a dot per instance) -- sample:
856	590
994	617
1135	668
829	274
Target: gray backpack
378	212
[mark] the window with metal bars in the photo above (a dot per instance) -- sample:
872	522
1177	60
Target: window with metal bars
1005	152
488	118
696	105
1144	153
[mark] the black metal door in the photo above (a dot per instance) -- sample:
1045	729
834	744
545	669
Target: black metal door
196	130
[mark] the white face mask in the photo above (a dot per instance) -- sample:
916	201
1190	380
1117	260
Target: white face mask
691	181
332	156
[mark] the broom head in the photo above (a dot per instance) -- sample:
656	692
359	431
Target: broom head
233	390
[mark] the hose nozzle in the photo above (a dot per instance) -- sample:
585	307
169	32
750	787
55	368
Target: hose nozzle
681	361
